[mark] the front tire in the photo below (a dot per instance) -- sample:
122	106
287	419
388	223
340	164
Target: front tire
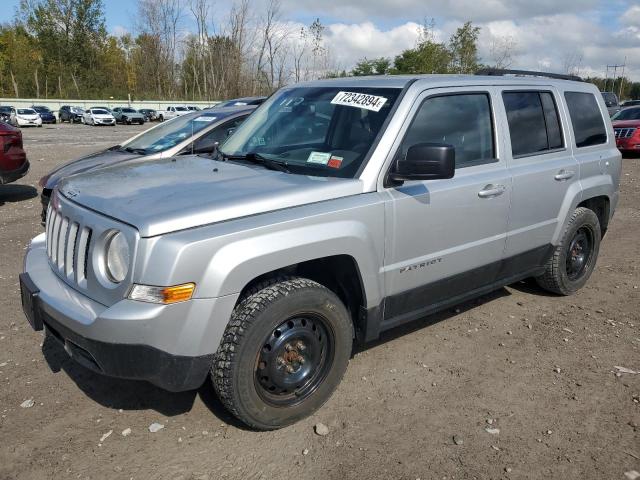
283	353
574	259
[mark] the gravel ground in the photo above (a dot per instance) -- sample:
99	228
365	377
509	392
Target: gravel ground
518	384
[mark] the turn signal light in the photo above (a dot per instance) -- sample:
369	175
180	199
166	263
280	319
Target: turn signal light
163	295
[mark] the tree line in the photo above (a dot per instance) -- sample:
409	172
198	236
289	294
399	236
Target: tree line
62	49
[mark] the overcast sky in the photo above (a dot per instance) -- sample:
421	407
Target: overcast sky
547	33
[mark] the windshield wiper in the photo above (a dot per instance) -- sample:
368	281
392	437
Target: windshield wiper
139	151
254	157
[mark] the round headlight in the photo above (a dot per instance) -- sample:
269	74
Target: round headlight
117	258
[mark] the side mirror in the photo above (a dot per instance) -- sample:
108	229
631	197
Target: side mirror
426	161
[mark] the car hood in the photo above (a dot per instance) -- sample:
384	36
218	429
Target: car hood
133	114
87	164
626	123
28	116
102	116
168	195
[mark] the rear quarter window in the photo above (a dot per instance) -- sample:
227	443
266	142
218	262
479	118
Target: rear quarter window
586	118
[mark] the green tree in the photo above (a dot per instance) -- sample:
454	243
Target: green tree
463	47
378	66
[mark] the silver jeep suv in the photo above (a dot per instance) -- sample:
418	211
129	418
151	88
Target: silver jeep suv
339	209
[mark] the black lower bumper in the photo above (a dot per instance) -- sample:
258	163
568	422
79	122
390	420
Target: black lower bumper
13	175
174	373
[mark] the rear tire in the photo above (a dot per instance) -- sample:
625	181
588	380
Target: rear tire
574	258
283	353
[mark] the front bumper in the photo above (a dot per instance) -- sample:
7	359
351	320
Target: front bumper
170	346
13	175
628	144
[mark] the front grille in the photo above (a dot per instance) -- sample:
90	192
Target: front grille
624	132
67	246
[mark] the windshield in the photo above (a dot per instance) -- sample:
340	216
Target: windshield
41	109
171	133
128	110
627	114
99	111
26	111
318	131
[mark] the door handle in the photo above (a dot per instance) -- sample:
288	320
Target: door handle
490	191
564	175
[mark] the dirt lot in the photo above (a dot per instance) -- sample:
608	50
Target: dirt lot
538	368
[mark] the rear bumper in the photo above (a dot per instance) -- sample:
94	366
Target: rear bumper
13	175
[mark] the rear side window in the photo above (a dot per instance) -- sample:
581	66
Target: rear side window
588	126
463	121
533	120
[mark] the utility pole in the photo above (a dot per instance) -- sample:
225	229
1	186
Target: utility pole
622	78
615	75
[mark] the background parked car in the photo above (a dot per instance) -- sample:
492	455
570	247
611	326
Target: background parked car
172	112
630	103
25	117
5	113
13	159
193	108
149	114
46	115
127	115
71	114
626	127
237	102
193	133
612	102
98	116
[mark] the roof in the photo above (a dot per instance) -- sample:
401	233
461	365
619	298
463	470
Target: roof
401	81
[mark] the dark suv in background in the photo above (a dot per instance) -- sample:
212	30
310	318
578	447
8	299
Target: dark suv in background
70	114
5	113
612	102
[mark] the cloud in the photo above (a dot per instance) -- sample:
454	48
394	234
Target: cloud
350	42
474	10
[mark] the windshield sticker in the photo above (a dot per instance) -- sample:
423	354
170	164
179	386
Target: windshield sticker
204	119
335	161
319	157
359	100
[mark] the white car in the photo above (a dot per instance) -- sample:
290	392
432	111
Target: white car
25	117
172	112
98	116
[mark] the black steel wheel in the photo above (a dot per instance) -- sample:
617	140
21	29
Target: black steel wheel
294	360
579	253
283	353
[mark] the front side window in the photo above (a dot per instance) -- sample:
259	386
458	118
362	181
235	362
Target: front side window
588	125
463	121
533	121
216	136
318	131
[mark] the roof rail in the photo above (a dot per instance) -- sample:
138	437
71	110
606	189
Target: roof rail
530	73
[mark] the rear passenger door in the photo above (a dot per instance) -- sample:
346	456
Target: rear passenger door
446	238
544	174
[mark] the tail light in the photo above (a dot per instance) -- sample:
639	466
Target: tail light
9	139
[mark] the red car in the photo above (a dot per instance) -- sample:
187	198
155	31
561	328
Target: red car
13	159
626	125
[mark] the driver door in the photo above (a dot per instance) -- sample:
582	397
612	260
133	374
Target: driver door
446	238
